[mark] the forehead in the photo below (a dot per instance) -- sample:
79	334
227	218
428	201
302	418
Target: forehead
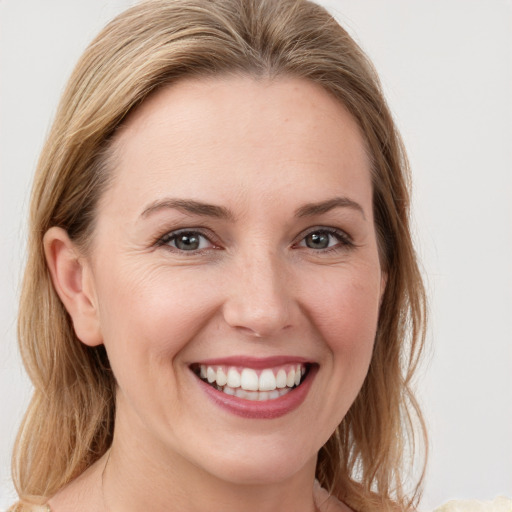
235	136
245	101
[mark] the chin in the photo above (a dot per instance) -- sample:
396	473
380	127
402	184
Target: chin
262	467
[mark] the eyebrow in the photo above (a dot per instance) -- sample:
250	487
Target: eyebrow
210	210
311	209
189	206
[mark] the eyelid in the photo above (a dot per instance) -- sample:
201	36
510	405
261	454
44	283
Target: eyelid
345	239
163	240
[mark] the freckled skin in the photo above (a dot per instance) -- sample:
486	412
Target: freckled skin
261	150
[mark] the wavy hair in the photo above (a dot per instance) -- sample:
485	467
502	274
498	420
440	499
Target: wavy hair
70	420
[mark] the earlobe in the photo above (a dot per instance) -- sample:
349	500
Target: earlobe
72	280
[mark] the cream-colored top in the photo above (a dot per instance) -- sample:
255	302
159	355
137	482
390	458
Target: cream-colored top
500	504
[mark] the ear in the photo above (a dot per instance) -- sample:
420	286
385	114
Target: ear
73	281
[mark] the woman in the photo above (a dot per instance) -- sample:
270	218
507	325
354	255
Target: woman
228	301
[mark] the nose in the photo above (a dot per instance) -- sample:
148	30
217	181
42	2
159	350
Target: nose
259	298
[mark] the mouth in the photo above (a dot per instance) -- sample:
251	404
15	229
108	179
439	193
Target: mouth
253	384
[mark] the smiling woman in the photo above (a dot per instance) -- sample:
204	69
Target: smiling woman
247	294
228	302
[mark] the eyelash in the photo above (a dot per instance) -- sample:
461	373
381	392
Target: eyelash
171	236
344	240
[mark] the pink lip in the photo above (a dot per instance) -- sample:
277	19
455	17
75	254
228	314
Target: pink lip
257	363
260	410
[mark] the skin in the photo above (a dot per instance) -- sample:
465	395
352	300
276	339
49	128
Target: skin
262	150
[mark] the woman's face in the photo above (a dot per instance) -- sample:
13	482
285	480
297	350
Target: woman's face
236	245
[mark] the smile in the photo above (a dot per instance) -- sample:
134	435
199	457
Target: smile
253	384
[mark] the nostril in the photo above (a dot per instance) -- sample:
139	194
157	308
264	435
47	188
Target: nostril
249	331
263	332
254	322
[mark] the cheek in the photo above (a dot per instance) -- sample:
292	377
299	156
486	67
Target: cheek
148	318
346	311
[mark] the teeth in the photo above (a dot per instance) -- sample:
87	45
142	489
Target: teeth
256	396
267	381
290	379
268	385
233	378
249	380
221	377
251	396
272	395
210	374
240	393
297	376
281	379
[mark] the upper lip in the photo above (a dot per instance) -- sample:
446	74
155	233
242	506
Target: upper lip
257	363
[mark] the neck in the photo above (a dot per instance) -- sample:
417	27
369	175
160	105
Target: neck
141	476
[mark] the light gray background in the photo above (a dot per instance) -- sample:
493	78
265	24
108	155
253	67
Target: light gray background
446	68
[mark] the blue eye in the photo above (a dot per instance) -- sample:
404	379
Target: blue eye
322	239
187	241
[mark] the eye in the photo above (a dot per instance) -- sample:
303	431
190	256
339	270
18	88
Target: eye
186	241
324	238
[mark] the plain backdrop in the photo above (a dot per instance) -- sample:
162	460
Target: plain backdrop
446	69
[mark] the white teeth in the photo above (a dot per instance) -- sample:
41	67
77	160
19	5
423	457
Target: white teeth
297	376
290	379
210	374
281	379
241	393
249	380
269	385
259	396
221	377
267	381
233	378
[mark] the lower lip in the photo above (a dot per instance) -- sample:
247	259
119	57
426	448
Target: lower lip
267	409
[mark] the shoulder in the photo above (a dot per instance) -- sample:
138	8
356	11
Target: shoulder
327	503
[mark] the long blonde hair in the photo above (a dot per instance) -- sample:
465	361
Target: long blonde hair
69	423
